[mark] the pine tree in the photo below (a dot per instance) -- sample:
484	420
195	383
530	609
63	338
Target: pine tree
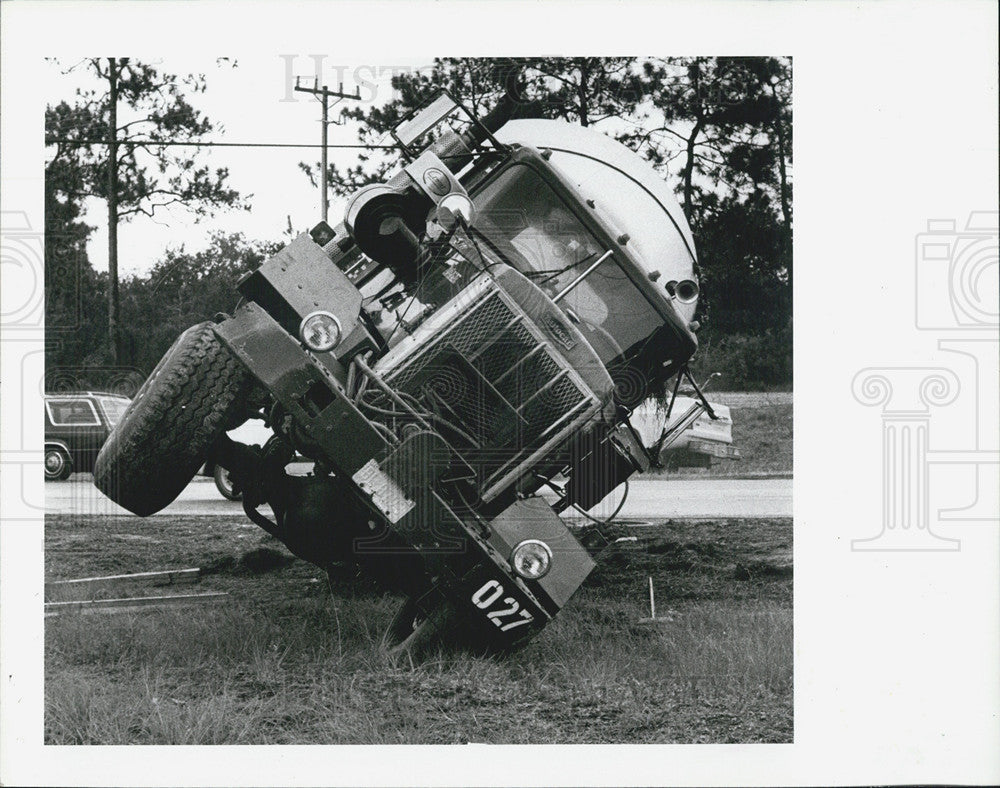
118	138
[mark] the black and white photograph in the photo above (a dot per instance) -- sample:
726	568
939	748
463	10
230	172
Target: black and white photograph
383	450
369	392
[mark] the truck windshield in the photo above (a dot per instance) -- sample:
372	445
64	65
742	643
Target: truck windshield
526	222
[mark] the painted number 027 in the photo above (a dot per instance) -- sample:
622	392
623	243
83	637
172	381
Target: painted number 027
509	615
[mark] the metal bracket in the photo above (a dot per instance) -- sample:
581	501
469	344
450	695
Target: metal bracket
669	435
430	115
685	372
704	400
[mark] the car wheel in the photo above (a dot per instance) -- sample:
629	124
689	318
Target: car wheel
58	464
225	485
195	394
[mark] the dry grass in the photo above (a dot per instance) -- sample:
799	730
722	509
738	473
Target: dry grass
292	659
762	431
764	437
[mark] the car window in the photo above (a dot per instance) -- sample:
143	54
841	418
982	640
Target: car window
114	408
71	412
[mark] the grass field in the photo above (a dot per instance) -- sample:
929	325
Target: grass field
762	431
763	434
292	657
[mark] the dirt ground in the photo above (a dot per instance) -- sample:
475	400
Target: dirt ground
292	657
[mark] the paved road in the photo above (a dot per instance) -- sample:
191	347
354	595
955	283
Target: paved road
649	498
750	399
661	498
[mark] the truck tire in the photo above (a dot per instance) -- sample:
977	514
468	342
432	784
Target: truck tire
225	485
413	633
194	395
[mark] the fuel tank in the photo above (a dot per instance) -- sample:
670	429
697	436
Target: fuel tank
626	190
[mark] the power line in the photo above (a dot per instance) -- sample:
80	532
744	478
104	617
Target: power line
77	141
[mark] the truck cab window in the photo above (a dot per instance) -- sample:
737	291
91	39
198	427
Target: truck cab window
529	225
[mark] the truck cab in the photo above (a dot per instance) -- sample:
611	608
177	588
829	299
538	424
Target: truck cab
479	324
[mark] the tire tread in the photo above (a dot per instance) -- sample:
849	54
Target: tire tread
161	441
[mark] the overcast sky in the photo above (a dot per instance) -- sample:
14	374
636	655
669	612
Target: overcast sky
255	102
248	103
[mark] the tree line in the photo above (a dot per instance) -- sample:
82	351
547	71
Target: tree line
718	129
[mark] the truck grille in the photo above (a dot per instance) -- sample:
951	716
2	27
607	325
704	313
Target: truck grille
493	374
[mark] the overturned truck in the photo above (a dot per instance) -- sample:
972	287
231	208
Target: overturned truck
478	327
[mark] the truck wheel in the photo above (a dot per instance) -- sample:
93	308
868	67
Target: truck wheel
194	395
58	464
413	632
224	483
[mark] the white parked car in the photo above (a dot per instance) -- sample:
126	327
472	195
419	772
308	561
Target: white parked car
697	443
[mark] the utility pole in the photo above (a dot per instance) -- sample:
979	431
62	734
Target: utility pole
113	209
325	93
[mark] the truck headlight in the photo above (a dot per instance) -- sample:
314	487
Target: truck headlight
687	291
531	559
320	331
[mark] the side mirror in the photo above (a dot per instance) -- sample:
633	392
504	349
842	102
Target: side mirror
409	131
